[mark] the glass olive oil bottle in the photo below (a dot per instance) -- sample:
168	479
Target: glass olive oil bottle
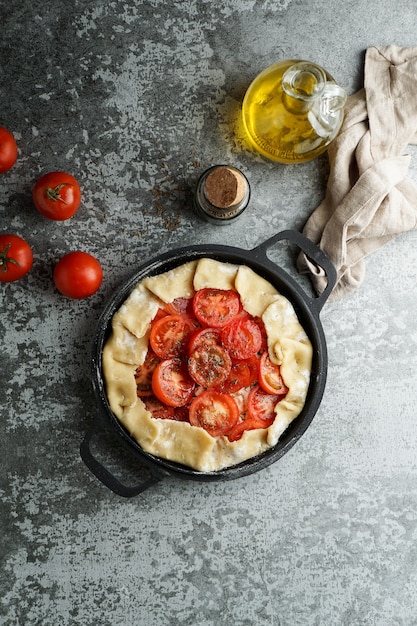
292	111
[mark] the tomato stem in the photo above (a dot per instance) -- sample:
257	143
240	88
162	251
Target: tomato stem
52	193
4	259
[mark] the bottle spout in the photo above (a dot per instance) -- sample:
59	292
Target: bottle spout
303	84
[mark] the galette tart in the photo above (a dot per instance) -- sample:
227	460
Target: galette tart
207	364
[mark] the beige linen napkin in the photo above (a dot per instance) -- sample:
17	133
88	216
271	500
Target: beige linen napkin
369	200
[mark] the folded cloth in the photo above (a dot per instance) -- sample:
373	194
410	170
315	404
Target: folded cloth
369	200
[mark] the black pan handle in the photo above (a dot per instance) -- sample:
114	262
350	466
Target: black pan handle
313	252
104	475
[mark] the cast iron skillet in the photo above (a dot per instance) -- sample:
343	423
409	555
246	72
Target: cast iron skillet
307	309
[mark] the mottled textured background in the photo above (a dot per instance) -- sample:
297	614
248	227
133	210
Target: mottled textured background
136	98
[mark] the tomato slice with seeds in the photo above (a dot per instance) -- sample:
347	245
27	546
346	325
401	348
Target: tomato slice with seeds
239	377
242	338
270	378
171	383
216	307
144	373
169	335
204	337
261	405
216	412
209	365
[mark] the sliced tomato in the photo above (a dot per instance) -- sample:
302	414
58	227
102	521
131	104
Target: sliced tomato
171	383
169	336
248	424
261	405
144	373
160	313
193	323
240	376
216	412
216	307
270	378
209	365
242	338
204	337
182	306
260	323
253	366
160	410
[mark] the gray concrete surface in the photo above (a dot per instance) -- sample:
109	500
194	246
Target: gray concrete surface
136	98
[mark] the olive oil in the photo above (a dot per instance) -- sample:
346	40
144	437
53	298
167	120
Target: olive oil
292	111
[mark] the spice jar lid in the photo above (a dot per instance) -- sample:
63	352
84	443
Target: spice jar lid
222	193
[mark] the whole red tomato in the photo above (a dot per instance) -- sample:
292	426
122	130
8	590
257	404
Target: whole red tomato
78	275
57	195
16	258
8	150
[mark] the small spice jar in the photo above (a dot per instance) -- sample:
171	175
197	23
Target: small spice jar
222	194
